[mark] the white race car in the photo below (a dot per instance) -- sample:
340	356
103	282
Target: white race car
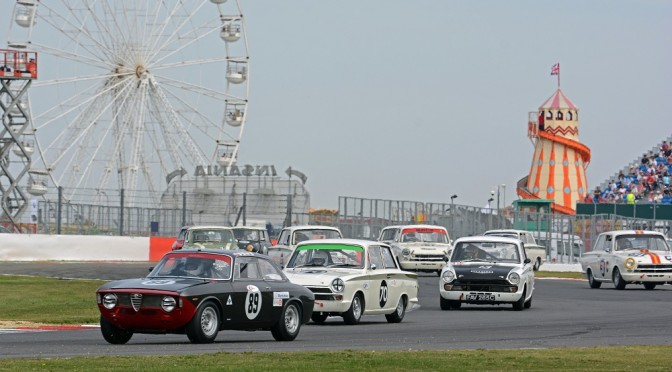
629	256
351	278
487	270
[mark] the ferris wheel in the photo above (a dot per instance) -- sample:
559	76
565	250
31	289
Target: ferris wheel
132	93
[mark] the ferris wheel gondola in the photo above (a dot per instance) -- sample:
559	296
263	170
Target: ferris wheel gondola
131	92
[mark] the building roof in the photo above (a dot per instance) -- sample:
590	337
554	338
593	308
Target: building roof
558	101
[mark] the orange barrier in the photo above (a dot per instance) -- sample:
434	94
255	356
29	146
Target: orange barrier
159	246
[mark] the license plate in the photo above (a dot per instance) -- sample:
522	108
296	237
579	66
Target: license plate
480	297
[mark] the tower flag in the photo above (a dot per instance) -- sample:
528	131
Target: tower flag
555	70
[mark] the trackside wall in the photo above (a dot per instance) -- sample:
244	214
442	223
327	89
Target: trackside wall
39	247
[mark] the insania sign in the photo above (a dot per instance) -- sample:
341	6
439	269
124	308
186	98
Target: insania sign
244	170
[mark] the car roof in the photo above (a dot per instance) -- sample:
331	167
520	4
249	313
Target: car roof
635	232
511	231
488	238
312	227
360	242
248	228
417	226
216	251
209	227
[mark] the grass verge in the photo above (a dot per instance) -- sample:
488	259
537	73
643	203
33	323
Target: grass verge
621	358
48	300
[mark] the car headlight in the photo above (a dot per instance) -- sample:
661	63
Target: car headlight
110	301
250	248
406	252
337	285
513	278
448	276
630	263
168	304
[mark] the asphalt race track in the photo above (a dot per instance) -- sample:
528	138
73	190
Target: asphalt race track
564	313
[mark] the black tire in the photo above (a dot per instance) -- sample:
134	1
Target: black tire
204	326
289	324
398	315
318	317
537	264
354	313
591	279
649	286
114	334
619	283
520	304
528	303
449	304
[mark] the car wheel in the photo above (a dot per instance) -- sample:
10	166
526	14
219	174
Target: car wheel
287	328
528	303
354	313
591	279
649	286
619	283
114	334
398	315
204	326
318	317
449	304
537	264
520	304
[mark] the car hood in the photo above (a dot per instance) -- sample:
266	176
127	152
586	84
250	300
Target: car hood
647	256
424	246
318	276
173	284
482	270
211	245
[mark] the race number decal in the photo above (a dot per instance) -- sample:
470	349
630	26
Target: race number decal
252	302
382	298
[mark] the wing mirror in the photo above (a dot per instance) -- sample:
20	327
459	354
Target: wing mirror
151	268
527	260
373	266
445	258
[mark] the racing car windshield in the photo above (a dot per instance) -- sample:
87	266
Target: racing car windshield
424	235
328	255
193	265
641	241
486	251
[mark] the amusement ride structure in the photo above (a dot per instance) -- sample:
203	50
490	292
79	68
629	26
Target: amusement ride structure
558	170
131	95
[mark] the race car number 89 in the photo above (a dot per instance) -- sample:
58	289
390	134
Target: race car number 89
252	302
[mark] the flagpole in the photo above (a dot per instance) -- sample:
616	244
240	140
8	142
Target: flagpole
558	76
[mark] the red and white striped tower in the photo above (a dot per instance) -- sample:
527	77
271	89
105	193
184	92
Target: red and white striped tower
558	170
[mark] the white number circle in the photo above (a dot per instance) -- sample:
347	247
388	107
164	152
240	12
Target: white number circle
252	302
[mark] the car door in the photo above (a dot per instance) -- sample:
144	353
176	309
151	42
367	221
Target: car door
396	280
252	299
594	259
376	296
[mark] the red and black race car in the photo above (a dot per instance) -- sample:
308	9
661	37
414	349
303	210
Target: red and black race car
200	292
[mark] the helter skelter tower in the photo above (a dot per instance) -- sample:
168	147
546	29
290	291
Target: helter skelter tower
558	170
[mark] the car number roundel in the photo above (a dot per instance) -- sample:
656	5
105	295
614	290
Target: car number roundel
383	294
252	302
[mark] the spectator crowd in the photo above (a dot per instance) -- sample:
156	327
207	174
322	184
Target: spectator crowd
646	182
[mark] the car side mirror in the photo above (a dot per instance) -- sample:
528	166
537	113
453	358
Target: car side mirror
527	260
151	268
445	258
608	250
373	266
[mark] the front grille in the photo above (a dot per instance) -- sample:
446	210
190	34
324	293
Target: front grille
656	269
322	293
427	257
320	289
491	285
145	301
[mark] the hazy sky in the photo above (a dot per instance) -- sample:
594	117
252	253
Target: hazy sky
419	100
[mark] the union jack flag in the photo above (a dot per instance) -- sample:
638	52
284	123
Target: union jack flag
555	70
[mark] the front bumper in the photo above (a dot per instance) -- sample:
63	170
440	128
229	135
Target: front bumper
151	320
482	297
639	277
322	306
